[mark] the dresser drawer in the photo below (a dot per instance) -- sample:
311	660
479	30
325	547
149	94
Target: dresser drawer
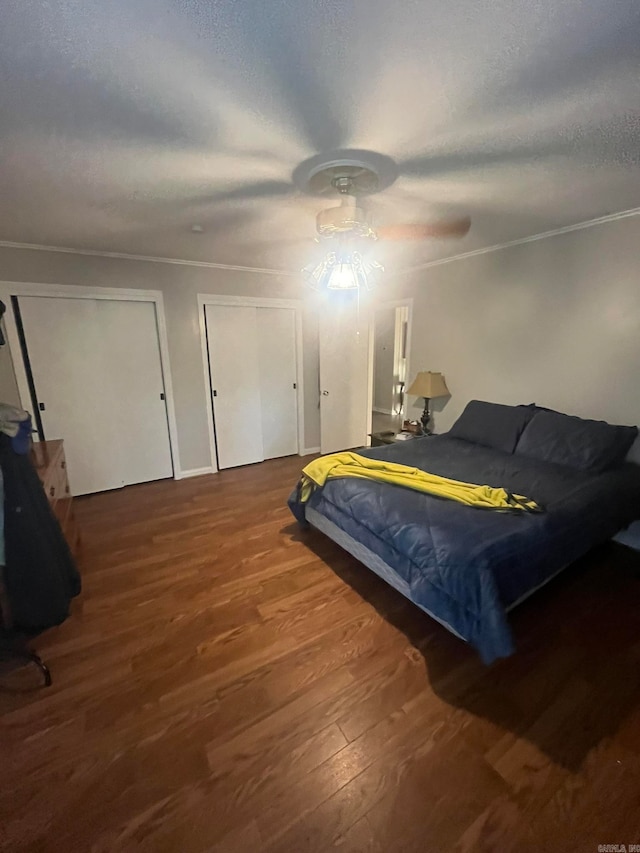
55	484
71	532
50	463
61	509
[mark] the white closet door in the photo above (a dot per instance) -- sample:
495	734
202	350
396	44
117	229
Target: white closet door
232	341
134	372
345	383
96	368
277	365
67	362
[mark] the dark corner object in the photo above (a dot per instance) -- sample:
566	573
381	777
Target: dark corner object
3	308
40	576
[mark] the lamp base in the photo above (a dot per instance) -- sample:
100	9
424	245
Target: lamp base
426	417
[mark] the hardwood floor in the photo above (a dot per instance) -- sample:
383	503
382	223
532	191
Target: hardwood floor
229	683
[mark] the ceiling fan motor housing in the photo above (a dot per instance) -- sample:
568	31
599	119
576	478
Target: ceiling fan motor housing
352	170
344	218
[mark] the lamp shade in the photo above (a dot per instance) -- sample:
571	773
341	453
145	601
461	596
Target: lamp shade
429	385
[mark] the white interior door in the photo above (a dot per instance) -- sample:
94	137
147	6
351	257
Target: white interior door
134	371
278	385
96	370
67	363
232	342
345	376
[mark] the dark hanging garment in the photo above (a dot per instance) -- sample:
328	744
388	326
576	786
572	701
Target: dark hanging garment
40	573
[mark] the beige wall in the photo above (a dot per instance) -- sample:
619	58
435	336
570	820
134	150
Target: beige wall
180	286
556	322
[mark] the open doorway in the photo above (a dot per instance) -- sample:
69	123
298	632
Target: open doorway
391	341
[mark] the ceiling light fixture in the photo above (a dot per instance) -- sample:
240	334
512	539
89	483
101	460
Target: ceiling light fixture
343	268
347	265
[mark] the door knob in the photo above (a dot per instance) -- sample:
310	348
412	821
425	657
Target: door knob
325	393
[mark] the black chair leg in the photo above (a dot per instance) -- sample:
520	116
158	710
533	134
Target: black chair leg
25	654
44	669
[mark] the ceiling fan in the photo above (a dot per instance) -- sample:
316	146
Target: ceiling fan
346	233
351	175
347	229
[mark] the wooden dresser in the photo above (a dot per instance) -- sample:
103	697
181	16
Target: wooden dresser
49	462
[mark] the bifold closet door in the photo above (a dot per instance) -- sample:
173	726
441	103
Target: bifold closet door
232	341
278	391
98	380
67	362
138	406
252	367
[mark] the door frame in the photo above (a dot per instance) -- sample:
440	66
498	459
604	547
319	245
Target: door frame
73	291
294	305
392	303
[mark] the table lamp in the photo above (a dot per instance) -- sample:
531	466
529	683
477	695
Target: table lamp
428	385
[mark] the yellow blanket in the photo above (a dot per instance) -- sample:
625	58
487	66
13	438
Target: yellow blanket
349	464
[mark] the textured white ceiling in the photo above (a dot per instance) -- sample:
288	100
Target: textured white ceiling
124	122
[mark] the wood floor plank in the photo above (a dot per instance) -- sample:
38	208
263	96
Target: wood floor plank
450	784
404	680
500	826
243	838
227	682
412	729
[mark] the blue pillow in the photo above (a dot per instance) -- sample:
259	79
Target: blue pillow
576	442
492	424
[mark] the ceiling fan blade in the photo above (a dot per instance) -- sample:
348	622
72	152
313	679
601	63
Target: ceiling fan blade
425	230
248	192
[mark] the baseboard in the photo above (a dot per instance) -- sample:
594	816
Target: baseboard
309	451
382	411
194	472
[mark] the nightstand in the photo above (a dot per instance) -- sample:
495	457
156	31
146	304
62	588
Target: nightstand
379	439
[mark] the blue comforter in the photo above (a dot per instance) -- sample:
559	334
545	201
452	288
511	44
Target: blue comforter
467	565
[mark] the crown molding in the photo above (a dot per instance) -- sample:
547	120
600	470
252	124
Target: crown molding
124	256
566	229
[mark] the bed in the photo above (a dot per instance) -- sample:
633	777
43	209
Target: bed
466	567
